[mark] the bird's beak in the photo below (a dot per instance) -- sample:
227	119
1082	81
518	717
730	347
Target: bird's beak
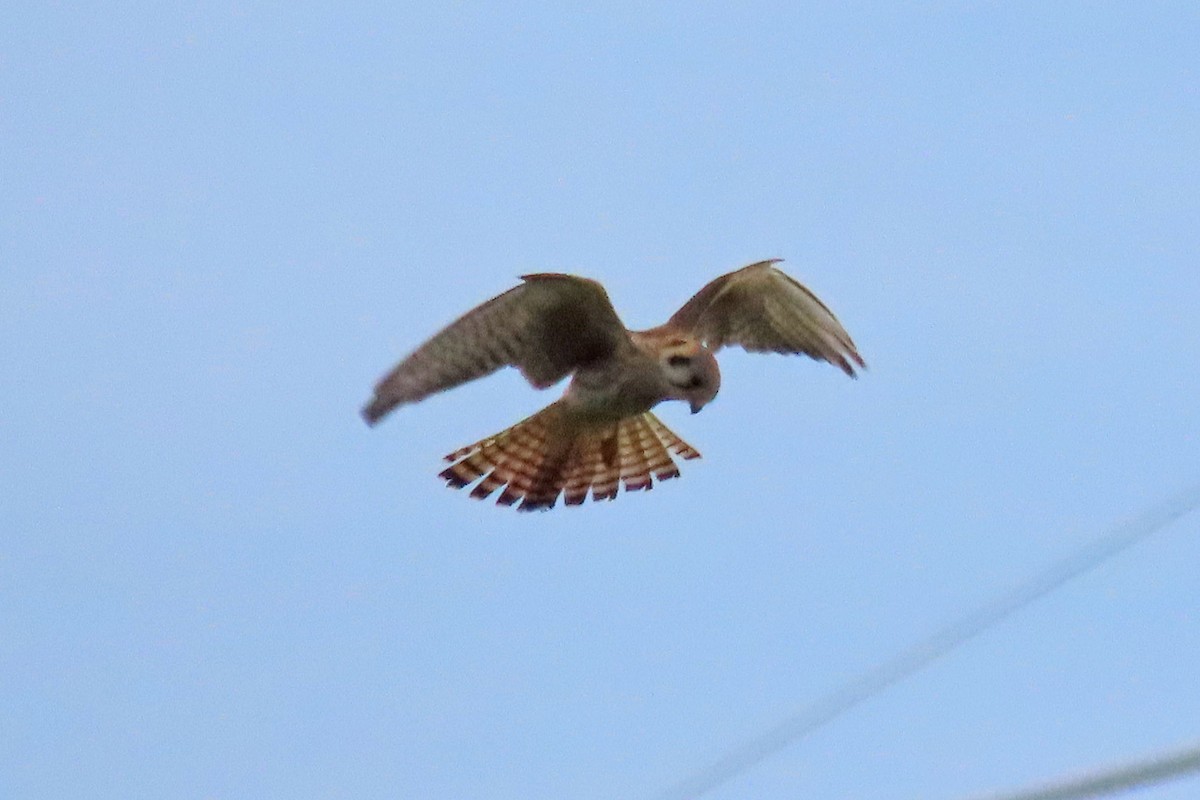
696	406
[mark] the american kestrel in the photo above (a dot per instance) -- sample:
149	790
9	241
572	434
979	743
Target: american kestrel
601	433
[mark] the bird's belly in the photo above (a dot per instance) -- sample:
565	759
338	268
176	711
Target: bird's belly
627	396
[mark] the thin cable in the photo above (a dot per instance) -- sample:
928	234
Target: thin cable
874	681
1161	768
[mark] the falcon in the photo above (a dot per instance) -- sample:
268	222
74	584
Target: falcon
601	433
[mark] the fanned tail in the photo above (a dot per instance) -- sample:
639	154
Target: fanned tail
558	452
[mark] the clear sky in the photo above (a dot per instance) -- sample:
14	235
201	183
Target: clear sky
220	222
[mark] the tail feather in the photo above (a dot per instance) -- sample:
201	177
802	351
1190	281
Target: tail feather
668	437
557	452
585	466
632	445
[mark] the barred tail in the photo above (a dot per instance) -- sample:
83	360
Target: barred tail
556	451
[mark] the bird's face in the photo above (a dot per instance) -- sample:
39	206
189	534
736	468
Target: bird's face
691	372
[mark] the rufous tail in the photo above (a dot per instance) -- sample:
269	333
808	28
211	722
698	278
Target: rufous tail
559	452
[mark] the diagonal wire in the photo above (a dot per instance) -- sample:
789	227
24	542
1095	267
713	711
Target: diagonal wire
923	653
1160	768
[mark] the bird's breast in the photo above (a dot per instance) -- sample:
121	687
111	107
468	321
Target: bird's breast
618	390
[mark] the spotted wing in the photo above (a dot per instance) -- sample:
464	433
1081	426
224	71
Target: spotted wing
764	310
547	327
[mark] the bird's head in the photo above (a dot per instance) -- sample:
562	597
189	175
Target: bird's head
691	372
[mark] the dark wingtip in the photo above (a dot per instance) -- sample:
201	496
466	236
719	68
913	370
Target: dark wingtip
372	412
843	363
862	365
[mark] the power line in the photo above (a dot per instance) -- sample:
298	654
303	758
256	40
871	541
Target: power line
1160	768
925	652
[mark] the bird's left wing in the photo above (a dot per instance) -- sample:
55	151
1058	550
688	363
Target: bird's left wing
764	310
547	327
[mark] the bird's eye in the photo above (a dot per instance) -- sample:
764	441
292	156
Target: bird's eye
695	382
679	361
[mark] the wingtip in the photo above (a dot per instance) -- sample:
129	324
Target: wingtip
862	365
848	354
372	412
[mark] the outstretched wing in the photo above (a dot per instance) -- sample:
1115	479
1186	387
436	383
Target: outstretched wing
547	327
766	311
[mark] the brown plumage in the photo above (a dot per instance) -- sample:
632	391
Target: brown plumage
555	452
601	435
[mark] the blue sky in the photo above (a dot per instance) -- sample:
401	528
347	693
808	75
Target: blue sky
221	222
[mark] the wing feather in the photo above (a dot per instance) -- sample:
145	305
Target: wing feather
762	309
547	327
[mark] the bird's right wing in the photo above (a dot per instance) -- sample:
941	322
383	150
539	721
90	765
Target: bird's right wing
547	327
763	309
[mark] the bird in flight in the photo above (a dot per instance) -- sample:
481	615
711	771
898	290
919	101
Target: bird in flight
601	433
